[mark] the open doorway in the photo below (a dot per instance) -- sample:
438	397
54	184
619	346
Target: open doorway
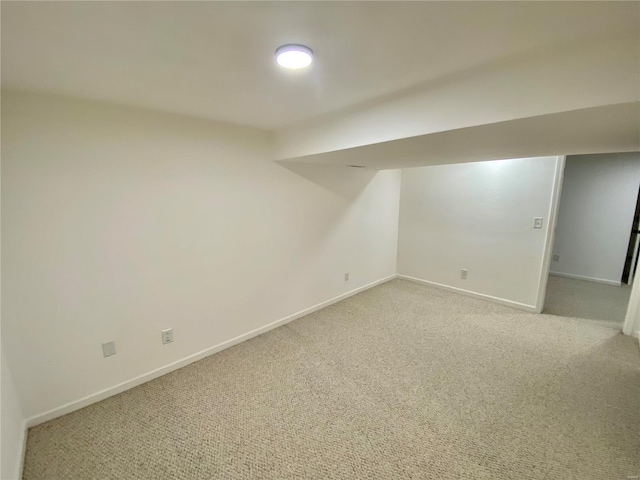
596	239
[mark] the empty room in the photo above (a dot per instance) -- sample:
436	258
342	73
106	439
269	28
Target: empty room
319	240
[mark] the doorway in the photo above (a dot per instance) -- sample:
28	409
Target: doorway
596	239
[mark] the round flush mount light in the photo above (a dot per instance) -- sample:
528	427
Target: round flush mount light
294	57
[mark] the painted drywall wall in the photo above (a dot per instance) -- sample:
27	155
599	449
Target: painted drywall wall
573	76
597	206
118	223
11	425
478	217
12	422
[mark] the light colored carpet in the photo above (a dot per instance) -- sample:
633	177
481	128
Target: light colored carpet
569	297
399	382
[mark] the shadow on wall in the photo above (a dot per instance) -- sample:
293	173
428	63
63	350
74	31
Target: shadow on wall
347	182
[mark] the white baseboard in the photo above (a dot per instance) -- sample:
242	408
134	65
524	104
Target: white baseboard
469	293
589	279
134	382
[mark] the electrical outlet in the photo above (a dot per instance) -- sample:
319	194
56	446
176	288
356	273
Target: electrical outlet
167	336
556	258
464	273
108	349
346	277
537	222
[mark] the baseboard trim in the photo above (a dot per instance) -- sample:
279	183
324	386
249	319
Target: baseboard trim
589	279
469	293
139	380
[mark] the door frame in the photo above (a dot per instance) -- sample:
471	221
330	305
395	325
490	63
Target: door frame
552	215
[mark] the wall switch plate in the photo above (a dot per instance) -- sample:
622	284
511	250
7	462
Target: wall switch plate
537	222
167	336
556	258
108	349
464	274
346	277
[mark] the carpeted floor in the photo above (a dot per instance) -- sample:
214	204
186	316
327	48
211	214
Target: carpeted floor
402	381
569	297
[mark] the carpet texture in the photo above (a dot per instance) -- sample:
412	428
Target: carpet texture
402	381
569	297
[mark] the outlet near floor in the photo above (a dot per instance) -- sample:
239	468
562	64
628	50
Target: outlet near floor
167	336
108	349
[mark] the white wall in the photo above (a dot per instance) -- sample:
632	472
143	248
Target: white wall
598	203
120	222
11	425
479	217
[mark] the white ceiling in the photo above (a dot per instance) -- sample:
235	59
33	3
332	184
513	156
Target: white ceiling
215	59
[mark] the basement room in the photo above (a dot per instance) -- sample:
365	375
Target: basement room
320	240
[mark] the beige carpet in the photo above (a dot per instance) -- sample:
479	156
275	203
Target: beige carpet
399	382
569	297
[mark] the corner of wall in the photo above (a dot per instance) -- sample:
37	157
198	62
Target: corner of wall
14	427
552	215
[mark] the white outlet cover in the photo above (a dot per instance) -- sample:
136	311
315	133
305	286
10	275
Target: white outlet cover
167	336
108	349
537	222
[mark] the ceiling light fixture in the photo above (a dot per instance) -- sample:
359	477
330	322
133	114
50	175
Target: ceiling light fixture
294	57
